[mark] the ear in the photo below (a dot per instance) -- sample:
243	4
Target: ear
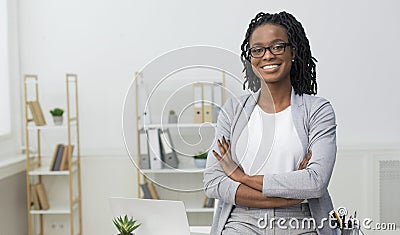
293	50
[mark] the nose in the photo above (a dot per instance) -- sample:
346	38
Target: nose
268	55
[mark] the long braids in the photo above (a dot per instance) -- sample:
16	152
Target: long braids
302	73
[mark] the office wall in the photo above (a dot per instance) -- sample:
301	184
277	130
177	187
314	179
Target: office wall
13	217
105	42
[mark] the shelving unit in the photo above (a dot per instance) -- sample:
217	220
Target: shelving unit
38	165
183	175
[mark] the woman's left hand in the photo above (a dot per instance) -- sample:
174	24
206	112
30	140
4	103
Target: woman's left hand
230	168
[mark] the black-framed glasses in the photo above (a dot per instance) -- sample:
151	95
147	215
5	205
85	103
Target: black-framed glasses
275	49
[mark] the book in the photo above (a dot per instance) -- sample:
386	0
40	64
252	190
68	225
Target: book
146	191
204	202
207	103
144	162
66	157
36	204
154	149
57	162
170	160
153	191
41	193
210	203
198	116
54	156
37	113
217	100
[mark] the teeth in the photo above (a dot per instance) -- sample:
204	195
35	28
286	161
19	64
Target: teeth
270	66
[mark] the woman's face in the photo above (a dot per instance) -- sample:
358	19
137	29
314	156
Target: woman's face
272	68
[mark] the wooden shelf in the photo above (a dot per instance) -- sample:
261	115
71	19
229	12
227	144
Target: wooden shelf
50	127
175	125
53	210
185	183
63	193
201	210
44	170
174	171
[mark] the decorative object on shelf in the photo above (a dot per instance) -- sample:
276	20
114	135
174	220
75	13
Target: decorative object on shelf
37	113
172	118
124	225
57	114
200	159
208	202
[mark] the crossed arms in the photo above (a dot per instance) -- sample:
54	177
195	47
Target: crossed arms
226	181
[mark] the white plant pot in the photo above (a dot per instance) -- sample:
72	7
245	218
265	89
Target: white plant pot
58	120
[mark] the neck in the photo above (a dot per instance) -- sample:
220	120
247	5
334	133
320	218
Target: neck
274	97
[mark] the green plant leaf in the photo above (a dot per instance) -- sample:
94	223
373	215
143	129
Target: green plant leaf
125	225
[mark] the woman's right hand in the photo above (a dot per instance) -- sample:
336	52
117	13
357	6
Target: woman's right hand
304	163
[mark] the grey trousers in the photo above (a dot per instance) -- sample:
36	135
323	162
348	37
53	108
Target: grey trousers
275	221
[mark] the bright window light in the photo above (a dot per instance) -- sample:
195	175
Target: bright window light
5	122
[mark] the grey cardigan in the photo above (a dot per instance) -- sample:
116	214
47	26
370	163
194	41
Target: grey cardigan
315	123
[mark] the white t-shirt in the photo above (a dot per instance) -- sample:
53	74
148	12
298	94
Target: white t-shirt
270	144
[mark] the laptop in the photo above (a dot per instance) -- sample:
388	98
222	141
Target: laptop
158	217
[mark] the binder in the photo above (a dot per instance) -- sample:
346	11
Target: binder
144	160
207	102
154	149
54	157
57	162
146	191
198	103
217	100
170	159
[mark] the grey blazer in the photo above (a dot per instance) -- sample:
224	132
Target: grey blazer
315	123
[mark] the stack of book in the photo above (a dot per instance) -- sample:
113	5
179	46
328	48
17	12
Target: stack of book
207	102
156	150
208	202
149	191
61	157
39	196
37	113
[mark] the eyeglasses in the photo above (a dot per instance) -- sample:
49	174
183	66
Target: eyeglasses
275	49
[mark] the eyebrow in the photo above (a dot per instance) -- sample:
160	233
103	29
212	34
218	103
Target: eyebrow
271	43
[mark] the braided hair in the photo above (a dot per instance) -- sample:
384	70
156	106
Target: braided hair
302	73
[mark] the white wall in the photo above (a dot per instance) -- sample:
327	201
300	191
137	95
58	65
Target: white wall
13	219
105	42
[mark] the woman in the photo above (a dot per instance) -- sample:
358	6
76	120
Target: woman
257	167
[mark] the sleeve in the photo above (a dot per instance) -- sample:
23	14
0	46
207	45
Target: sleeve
216	183
311	182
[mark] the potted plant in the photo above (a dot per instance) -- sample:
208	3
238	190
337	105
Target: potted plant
124	225
57	116
172	118
200	159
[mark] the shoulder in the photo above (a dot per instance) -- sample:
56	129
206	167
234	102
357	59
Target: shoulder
318	106
234	103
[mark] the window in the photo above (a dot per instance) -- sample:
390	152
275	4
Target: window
5	120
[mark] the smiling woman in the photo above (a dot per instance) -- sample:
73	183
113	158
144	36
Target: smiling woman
275	148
